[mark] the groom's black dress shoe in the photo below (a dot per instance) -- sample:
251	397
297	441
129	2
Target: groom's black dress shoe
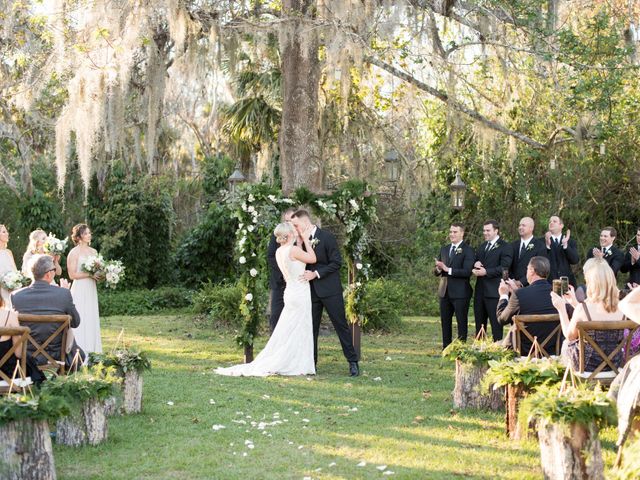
354	371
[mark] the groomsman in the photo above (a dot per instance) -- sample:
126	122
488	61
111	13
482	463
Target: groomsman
493	260
562	250
276	280
631	264
613	255
524	250
453	266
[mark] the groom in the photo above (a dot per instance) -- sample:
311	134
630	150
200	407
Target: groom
326	288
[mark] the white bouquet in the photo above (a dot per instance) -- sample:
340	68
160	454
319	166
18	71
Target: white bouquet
93	264
54	246
114	272
13	280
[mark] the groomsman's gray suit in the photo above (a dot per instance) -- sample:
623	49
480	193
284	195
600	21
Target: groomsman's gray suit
43	299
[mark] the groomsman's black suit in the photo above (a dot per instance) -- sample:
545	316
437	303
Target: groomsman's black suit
326	293
535	248
613	256
632	269
276	283
562	258
495	260
455	294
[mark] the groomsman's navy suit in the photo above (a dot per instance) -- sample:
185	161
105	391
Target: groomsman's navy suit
494	260
521	257
455	290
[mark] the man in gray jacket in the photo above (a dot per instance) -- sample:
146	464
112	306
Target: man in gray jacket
42	298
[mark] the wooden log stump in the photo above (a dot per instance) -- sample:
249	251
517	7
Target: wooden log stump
514	394
467	392
87	426
570	452
112	406
132	392
25	451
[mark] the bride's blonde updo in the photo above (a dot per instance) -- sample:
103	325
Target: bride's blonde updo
282	232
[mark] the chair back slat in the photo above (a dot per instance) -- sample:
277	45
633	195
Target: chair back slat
55	360
521	322
23	333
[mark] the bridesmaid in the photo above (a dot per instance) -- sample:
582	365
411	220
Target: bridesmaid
7	264
37	239
84	291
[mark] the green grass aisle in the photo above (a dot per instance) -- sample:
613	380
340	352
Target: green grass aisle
397	414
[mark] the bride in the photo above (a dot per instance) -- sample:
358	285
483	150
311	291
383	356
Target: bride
289	351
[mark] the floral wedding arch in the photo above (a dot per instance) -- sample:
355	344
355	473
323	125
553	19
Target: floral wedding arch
258	207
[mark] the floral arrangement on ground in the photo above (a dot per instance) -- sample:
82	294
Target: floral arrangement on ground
478	352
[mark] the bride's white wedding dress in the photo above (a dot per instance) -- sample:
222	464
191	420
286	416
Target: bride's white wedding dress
289	351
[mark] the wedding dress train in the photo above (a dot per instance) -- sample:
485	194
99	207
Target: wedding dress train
289	351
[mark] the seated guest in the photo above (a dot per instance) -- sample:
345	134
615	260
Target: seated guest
613	256
531	300
42	298
9	319
600	304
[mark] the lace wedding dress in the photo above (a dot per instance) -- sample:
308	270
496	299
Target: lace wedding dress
289	351
85	297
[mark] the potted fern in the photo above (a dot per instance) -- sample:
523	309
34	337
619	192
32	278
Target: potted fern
129	365
472	362
568	418
86	391
25	443
519	377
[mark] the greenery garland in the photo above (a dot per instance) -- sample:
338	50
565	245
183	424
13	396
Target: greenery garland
530	373
630	467
122	359
257	208
581	404
96	382
42	406
478	352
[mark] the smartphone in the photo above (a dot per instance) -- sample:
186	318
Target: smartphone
557	286
564	284
505	274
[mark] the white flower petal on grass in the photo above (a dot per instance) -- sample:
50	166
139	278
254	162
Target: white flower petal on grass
248	442
305	420
241	422
170	403
290	443
388	472
332	464
362	464
377	379
244	454
300	447
248	297
215	428
354	409
251	446
381	467
388	358
266	397
296	413
212	401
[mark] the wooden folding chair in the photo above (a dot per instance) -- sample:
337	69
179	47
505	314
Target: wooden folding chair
585	336
7	383
55	360
521	322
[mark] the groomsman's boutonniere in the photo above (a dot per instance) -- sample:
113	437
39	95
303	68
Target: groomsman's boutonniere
458	250
315	242
608	254
530	247
494	246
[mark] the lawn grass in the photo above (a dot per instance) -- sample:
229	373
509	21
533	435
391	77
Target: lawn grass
397	413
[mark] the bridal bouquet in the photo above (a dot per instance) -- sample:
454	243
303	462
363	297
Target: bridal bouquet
93	264
13	280
114	272
54	246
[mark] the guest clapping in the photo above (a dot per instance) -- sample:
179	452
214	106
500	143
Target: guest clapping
607	250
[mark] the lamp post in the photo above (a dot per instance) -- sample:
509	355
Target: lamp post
392	165
235	179
458	189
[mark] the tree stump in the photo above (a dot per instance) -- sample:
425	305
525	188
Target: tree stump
570	452
514	395
132	392
111	406
467	393
25	451
87	426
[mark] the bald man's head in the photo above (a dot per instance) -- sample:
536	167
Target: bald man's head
526	227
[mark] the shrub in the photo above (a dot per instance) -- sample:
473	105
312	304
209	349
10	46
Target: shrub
142	302
379	305
220	303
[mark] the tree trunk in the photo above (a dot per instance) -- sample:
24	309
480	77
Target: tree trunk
111	406
248	353
514	395
570	452
300	163
132	391
467	394
88	426
25	451
356	334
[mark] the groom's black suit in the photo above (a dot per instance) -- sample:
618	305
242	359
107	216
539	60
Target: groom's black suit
326	292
